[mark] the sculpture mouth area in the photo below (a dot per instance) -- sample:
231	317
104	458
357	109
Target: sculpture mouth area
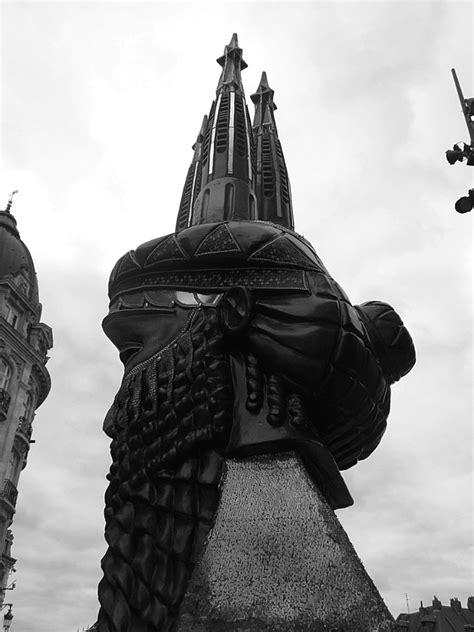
143	333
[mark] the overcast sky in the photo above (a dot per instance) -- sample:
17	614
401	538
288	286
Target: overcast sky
101	103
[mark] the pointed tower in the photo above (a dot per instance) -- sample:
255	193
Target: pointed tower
272	183
192	185
220	181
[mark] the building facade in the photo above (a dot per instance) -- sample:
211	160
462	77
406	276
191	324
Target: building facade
439	617
24	379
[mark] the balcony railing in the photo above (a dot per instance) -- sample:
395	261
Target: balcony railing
4	403
8	492
24	427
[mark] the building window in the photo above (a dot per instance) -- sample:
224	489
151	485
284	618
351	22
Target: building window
27	406
5	374
13	317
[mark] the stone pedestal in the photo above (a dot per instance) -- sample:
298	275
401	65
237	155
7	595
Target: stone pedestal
278	559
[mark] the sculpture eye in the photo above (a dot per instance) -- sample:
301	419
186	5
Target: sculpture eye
161	299
186	299
208	299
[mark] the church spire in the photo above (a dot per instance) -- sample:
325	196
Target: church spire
272	182
223	175
193	182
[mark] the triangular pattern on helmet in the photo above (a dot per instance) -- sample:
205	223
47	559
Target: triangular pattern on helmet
220	240
127	263
282	251
167	250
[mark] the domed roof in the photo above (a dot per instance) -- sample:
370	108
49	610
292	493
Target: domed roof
14	255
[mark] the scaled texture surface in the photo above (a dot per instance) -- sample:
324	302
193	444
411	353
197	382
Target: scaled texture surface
278	559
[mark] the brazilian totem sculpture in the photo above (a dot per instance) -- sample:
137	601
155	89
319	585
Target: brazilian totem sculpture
250	381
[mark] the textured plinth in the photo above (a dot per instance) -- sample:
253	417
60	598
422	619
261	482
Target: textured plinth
278	559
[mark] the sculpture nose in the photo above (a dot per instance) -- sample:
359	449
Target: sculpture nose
139	334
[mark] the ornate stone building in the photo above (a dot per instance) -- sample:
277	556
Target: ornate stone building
24	379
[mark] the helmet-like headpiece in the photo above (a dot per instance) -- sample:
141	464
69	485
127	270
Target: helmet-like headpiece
235	220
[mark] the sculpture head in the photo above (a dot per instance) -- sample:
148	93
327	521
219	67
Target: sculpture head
283	327
310	367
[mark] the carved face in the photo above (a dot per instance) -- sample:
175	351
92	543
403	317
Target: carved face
172	411
338	358
176	393
142	324
292	333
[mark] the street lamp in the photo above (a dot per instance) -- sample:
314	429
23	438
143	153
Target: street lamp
7	619
462	151
465	204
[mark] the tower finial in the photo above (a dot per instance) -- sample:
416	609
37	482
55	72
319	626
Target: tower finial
232	63
272	182
264	105
220	181
10	201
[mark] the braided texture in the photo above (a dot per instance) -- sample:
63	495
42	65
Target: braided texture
329	364
164	479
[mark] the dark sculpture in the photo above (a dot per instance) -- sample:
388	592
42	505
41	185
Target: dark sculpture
236	341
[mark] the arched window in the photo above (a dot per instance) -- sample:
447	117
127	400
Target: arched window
229	201
13	317
5	374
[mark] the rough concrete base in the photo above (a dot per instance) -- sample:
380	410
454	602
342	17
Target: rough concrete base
278	559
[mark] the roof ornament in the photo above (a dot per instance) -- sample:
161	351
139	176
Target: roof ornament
264	105
232	63
10	201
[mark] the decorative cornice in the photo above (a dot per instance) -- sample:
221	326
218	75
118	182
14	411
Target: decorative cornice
7	561
18	294
18	345
43	380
